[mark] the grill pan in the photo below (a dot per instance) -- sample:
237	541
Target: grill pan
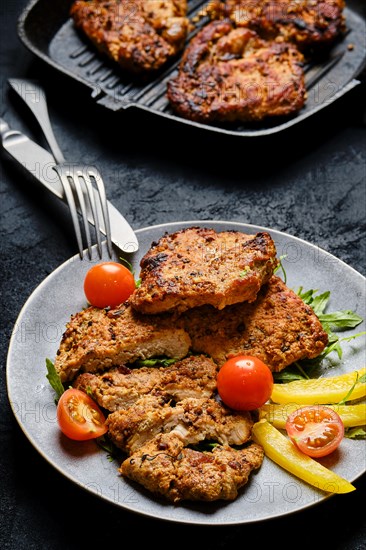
46	29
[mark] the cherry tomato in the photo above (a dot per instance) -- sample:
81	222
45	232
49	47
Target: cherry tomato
316	430
244	383
108	284
79	417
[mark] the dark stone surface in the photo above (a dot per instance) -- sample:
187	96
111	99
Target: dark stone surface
309	182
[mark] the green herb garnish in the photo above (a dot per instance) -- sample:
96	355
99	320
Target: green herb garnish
54	379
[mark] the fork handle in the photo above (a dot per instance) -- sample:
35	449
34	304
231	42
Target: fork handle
34	96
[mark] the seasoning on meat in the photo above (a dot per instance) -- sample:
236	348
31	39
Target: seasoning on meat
165	466
198	266
97	339
194	419
231	74
120	388
307	23
140	35
278	328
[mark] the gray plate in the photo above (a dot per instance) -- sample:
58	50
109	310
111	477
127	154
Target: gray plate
271	492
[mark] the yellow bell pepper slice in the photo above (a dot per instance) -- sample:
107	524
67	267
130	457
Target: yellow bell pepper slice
320	390
276	414
284	453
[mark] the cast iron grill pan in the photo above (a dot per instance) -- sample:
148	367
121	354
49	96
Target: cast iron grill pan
47	30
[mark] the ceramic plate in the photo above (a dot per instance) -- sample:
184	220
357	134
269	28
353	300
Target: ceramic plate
271	492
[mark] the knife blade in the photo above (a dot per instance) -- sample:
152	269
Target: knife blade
40	163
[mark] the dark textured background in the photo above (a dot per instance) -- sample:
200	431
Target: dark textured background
309	182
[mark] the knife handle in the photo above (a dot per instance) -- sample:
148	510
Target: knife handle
35	97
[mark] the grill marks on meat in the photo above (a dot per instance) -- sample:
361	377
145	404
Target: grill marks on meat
231	74
278	328
198	266
309	24
121	388
193	419
140	35
166	467
97	339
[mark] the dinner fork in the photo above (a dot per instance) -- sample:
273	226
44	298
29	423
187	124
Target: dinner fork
82	184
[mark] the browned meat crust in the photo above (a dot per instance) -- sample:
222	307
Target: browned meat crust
192	419
140	35
120	388
278	328
198	266
96	339
166	467
306	23
231	74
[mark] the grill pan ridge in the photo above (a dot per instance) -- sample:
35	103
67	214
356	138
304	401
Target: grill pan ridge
47	30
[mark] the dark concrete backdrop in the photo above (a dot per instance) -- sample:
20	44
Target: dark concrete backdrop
309	182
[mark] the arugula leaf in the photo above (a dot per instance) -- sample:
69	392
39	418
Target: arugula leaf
155	362
319	303
355	433
106	444
343	319
54	379
348	395
280	266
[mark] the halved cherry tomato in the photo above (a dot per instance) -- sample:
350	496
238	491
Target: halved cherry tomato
244	383
108	284
79	417
316	430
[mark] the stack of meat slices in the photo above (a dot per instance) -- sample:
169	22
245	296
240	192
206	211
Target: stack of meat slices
204	296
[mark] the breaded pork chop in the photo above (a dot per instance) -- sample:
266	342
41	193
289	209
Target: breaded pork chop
194	419
96	339
278	328
231	74
306	23
198	266
120	388
165	466
140	35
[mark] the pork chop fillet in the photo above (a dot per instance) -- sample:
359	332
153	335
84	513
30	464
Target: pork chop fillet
120	388
307	23
231	74
96	339
165	466
278	328
198	266
140	35
194	419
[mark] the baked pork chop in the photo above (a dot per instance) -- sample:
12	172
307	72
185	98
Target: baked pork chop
165	466
198	266
97	339
120	388
140	35
231	74
306	23
194	419
278	328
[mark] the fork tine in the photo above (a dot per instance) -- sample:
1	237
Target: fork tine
71	203
94	209
92	203
104	205
76	175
